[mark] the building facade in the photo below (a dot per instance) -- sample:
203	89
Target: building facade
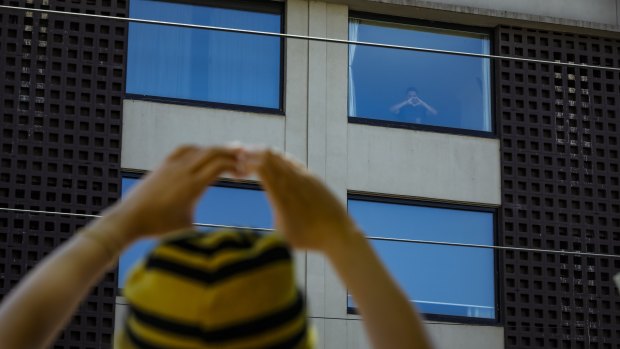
420	145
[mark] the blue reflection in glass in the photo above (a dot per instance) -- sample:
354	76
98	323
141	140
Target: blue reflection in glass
443	280
419	87
204	65
220	205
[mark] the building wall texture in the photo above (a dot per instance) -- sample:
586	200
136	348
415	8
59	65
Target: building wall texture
61	89
559	137
572	15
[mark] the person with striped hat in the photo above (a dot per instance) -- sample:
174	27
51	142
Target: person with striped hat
222	289
225	289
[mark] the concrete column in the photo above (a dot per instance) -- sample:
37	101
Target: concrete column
296	101
317	55
317	71
327	139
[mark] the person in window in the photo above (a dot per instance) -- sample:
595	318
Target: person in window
307	215
413	109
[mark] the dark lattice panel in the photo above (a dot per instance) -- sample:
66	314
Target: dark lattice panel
61	89
560	148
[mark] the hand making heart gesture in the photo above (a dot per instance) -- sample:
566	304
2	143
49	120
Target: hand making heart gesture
308	214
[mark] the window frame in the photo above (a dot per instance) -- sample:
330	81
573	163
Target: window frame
263	6
497	258
431	128
243	184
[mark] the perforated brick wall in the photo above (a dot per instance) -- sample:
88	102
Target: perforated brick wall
61	89
559	131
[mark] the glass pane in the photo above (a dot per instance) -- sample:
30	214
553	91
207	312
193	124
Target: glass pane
419	87
219	205
443	280
204	65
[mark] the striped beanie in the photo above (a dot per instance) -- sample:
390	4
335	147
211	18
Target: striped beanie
226	289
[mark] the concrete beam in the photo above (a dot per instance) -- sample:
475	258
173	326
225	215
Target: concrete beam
350	334
600	11
424	165
576	16
151	130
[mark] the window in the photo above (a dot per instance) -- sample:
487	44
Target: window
429	90
442	280
206	65
224	205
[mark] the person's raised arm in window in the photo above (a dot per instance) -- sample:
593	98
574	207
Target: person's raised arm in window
412	99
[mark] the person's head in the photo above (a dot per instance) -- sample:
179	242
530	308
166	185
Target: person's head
412	92
229	288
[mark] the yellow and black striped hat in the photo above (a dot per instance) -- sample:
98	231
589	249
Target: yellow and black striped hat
226	289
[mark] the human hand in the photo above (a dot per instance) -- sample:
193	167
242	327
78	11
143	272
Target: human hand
414	101
164	200
306	212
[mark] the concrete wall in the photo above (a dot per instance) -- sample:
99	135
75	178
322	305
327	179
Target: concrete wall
151	130
591	11
405	162
599	11
600	17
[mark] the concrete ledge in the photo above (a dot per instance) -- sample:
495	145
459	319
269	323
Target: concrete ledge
151	130
462	336
576	16
423	165
340	333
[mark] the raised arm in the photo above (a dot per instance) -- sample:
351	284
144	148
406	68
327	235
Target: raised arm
312	218
398	106
427	107
40	305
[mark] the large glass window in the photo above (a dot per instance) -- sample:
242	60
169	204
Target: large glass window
411	87
441	280
220	205
206	65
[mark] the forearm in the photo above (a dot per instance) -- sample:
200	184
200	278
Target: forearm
388	315
428	107
41	304
397	107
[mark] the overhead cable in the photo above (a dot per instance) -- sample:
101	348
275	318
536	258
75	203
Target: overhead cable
312	38
374	238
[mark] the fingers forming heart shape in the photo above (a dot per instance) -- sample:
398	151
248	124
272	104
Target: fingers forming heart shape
305	210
